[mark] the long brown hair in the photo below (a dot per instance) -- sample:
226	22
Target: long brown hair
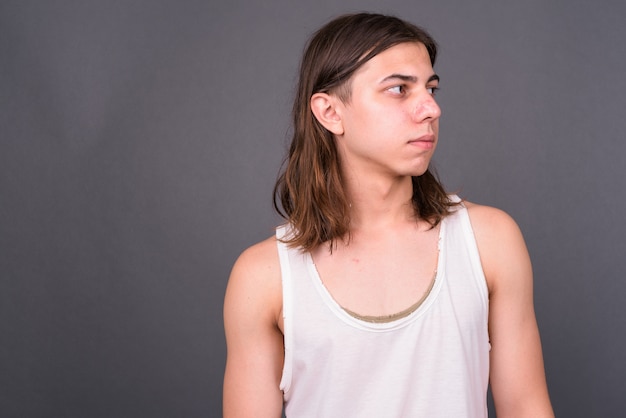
309	192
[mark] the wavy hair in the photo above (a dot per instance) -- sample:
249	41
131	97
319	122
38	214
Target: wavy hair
309	191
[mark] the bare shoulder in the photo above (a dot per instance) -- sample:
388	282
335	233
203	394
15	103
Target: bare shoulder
500	242
487	220
255	281
261	259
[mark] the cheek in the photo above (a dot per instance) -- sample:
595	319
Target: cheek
387	117
362	119
372	120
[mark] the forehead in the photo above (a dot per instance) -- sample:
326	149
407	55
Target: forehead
408	57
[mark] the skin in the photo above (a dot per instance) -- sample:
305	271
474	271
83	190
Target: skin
386	132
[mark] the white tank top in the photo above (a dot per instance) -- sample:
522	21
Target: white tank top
432	363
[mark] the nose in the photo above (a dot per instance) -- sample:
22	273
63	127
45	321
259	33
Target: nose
426	108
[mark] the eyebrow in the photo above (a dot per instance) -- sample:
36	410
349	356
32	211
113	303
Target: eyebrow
408	78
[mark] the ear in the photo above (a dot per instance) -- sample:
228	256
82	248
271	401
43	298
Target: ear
327	111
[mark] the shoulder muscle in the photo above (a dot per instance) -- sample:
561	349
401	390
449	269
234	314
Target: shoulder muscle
500	243
254	283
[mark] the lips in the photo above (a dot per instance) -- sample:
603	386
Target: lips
424	141
424	138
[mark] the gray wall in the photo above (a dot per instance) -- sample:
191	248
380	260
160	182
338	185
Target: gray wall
139	143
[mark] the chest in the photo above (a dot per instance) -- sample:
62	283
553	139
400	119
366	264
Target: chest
380	276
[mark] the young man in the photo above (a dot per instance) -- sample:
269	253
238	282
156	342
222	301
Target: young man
382	296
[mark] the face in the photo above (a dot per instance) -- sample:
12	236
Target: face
390	123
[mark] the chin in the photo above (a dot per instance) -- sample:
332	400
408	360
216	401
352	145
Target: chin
418	171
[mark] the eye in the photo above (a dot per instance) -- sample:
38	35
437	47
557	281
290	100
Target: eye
432	90
399	90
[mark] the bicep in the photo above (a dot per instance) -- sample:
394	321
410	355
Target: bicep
254	341
516	358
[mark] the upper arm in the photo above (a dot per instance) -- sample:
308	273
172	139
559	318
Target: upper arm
517	374
252	306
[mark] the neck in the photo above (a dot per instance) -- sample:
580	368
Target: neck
381	203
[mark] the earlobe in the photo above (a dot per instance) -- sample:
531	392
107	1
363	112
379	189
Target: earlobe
324	107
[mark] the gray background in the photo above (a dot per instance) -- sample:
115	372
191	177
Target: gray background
139	144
